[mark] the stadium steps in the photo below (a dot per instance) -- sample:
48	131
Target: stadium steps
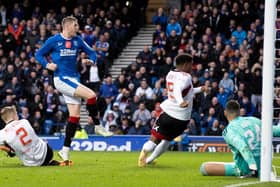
129	53
84	116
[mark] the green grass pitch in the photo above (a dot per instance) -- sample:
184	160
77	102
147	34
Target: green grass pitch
119	169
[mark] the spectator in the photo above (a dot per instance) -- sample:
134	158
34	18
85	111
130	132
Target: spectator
172	44
153	71
88	36
37	122
157	32
145	55
160	18
164	69
208	120
248	106
257	88
52	102
227	83
125	125
158	91
203	100
89	128
136	79
8	41
121	82
3	13
137	129
239	34
192	128
215	130
222	96
36	104
157	110
101	47
142	115
108	89
15	86
144	92
123	99
173	25
109	120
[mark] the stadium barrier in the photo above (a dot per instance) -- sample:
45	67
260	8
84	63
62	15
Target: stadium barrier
135	143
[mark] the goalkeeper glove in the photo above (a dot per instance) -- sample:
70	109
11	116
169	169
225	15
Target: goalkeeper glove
254	170
254	173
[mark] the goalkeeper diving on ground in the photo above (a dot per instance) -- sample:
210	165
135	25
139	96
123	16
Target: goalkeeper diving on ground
243	136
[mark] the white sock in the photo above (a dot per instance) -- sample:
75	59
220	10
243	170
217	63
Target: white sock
65	149
149	146
160	148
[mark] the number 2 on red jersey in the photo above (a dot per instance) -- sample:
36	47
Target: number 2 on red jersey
22	133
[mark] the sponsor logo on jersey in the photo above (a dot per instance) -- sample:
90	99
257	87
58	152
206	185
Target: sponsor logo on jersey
68	52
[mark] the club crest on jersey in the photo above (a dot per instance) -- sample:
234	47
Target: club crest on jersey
75	43
68	44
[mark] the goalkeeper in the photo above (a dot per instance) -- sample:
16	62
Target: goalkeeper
243	136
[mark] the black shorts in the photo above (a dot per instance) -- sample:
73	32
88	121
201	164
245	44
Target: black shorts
49	156
168	128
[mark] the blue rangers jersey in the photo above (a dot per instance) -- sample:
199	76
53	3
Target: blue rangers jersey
64	53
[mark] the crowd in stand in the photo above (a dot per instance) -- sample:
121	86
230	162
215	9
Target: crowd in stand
226	40
225	37
25	25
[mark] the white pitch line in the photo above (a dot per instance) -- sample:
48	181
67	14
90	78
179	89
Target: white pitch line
242	184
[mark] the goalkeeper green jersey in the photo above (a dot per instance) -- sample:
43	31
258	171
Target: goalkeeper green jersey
243	135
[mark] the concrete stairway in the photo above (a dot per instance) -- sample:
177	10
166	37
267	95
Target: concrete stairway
129	53
83	115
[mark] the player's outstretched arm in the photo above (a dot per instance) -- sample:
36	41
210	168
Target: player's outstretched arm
43	51
88	50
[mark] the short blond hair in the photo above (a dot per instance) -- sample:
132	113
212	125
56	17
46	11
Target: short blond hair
8	112
68	19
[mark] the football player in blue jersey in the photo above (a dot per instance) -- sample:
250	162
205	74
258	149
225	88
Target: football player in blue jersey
64	48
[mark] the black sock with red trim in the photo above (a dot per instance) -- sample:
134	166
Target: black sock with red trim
70	130
93	110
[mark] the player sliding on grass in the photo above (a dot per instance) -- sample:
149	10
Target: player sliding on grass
64	49
18	138
176	110
243	136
